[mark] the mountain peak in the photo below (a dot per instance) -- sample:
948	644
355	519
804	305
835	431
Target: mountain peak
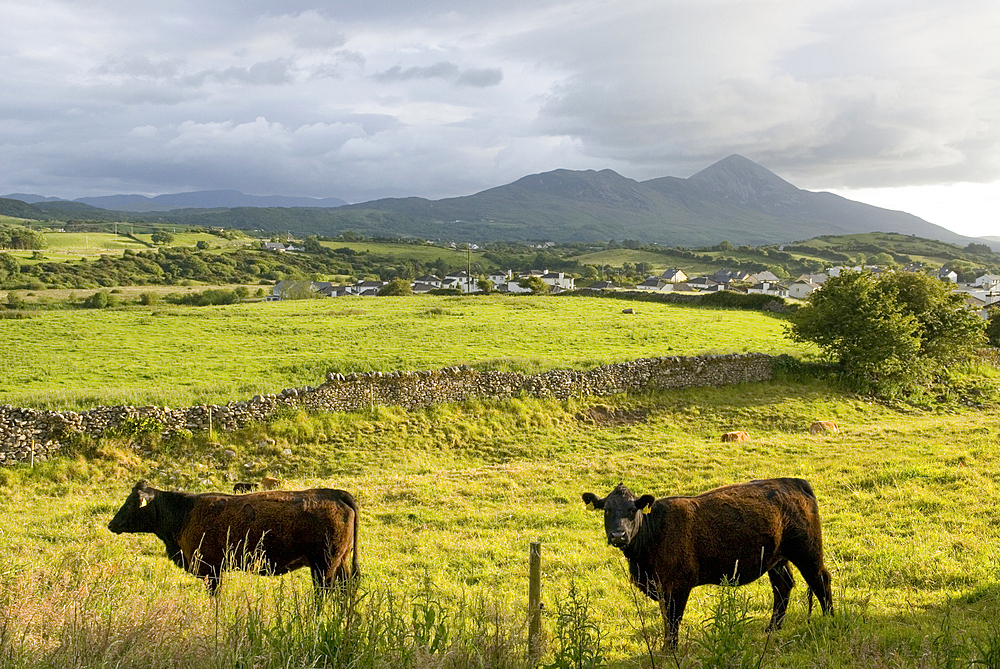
741	180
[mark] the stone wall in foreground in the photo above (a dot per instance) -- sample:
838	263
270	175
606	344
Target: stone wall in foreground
34	434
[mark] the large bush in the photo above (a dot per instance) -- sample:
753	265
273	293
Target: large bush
888	331
993	329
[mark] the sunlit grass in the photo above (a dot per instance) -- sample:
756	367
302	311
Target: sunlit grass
178	356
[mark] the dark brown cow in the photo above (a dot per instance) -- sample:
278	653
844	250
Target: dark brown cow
737	532
269	532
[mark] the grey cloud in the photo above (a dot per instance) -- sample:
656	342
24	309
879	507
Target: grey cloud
271	73
483	78
440	70
139	66
477	78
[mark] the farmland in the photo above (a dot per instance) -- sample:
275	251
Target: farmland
181	356
452	495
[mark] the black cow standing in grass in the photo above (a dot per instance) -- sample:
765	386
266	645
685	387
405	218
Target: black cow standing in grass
736	533
271	532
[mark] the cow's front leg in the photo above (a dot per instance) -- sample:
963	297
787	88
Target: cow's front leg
672	603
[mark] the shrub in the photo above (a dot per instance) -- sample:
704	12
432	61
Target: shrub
993	329
888	331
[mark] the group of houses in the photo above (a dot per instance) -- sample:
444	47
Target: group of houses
766	283
503	282
981	294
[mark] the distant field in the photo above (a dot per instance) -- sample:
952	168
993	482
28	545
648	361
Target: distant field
660	262
176	356
90	242
424	253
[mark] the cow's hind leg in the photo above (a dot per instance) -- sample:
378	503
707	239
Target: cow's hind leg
782	583
818	579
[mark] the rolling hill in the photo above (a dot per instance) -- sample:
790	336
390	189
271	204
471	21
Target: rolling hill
734	199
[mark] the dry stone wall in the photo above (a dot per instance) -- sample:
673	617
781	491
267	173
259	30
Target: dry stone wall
35	434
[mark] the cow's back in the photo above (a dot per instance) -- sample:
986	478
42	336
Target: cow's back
739	531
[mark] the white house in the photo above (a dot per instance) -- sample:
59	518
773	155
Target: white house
946	274
500	278
987	281
559	280
706	284
802	289
654	284
767	288
429	279
461	280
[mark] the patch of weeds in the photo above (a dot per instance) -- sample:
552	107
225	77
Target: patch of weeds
578	641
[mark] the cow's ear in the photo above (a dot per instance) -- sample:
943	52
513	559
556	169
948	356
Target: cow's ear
145	497
645	503
592	502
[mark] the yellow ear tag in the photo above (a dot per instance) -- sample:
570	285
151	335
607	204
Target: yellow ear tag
647	509
142	502
591	507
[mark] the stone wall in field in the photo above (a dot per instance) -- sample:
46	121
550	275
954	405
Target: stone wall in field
34	434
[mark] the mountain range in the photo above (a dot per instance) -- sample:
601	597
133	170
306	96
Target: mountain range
734	199
205	199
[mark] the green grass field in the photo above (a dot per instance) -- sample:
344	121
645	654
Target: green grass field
451	498
179	356
424	253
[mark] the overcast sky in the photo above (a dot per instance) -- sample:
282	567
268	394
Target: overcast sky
895	102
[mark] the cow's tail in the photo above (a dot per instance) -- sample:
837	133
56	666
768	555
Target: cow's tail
351	502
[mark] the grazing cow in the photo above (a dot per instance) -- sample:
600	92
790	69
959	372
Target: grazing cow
824	426
735	436
240	488
737	532
269	532
270	483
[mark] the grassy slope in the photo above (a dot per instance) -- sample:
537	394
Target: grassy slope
452	496
177	356
421	252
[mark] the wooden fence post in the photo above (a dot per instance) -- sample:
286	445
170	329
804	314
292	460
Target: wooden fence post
535	600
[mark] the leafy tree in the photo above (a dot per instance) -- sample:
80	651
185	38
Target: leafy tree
102	299
162	237
202	245
485	286
396	287
14	300
993	329
888	331
149	299
534	284
297	290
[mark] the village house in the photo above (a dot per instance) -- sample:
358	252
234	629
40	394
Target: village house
802	289
654	284
768	288
987	281
559	281
674	276
946	274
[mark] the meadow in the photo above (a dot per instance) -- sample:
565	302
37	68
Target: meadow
178	356
452	496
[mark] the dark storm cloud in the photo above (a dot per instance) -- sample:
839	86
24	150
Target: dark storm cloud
360	99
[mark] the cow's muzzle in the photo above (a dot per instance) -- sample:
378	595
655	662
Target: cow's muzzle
618	539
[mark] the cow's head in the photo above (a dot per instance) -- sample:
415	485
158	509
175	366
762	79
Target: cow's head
136	514
622	513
